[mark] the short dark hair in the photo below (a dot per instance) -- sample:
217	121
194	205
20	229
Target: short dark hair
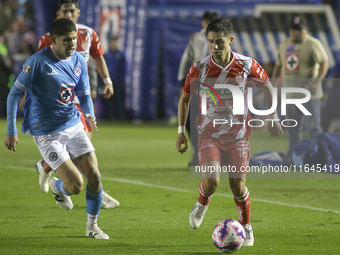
220	26
62	27
61	2
210	16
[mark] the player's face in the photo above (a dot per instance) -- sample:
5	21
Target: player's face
219	44
297	35
69	11
65	45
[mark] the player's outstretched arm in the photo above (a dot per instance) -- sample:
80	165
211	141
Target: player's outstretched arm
183	108
13	99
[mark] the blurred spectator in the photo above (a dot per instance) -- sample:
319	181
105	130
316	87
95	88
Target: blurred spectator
6	70
6	16
330	117
302	61
196	49
117	66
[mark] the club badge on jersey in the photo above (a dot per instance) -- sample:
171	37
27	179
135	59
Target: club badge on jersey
66	93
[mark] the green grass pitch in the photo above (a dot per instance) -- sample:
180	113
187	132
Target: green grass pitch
142	169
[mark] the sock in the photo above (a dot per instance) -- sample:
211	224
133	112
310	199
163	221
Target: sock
204	197
92	219
60	187
243	207
46	167
93	201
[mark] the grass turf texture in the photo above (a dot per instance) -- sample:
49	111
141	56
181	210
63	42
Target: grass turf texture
139	166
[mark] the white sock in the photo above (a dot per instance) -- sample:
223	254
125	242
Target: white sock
92	219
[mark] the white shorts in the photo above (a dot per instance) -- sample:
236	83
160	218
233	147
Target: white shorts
59	147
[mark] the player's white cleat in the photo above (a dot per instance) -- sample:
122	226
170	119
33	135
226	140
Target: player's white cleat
109	202
43	176
62	200
93	231
249	240
197	214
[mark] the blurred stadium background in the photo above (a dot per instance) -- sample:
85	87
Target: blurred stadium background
139	164
154	34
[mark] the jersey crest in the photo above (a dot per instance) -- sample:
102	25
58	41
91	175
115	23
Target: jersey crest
66	93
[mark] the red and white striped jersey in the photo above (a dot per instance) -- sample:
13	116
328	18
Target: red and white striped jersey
242	72
88	43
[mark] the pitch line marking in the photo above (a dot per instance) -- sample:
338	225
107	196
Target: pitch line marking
186	191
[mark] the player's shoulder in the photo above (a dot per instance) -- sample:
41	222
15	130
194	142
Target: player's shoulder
239	56
45	38
203	61
40	55
78	56
84	29
242	59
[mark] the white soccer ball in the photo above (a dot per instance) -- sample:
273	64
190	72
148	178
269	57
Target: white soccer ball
228	236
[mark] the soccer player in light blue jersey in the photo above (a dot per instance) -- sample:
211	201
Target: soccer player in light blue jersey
51	77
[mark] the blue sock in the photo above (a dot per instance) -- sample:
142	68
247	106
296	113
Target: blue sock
60	187
93	201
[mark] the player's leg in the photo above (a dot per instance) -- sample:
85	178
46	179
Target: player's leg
70	182
44	171
94	192
206	189
238	157
108	202
209	157
53	149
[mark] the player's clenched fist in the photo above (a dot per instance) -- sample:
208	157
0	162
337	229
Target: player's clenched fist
11	142
181	139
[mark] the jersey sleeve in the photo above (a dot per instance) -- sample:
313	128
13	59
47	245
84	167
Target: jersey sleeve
319	53
13	100
258	75
83	90
96	50
83	86
29	72
190	80
44	42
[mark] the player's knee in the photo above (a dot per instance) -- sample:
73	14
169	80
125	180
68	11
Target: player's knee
94	179
211	184
237	186
77	186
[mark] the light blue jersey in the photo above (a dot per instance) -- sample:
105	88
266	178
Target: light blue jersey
50	84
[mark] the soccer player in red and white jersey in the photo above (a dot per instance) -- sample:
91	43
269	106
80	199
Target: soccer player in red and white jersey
223	145
88	44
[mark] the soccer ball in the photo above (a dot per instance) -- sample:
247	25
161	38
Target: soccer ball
228	236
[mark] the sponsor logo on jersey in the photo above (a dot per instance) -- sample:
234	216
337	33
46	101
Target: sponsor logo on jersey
242	143
53	72
27	69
